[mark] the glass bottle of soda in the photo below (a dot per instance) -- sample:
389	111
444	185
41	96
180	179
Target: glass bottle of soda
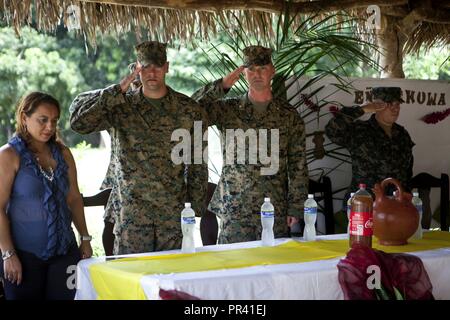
361	218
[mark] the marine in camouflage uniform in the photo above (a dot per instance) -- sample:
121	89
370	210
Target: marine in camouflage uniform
113	208
376	153
149	187
241	190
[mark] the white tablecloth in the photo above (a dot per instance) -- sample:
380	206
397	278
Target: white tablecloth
316	280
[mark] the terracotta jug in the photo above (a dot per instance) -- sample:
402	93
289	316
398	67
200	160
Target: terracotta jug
395	219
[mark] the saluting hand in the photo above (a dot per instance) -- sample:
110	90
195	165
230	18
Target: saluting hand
373	107
230	79
126	82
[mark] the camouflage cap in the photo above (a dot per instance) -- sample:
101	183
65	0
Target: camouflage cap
387	94
257	55
149	52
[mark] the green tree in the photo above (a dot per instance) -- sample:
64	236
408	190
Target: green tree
431	64
32	63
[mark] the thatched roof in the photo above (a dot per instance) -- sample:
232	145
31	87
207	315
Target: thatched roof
427	21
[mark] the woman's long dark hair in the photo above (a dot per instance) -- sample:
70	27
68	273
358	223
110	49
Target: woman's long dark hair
28	105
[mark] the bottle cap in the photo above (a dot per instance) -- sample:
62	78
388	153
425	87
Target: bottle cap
415	194
187	204
362	185
310	196
266	199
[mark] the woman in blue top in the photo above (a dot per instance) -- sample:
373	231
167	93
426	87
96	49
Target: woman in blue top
39	199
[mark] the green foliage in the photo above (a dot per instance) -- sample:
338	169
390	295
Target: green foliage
82	146
33	63
433	64
186	64
383	294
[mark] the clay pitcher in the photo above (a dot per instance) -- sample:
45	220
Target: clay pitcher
395	219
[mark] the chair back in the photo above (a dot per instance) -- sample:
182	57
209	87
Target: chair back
101	199
209	227
324	188
424	182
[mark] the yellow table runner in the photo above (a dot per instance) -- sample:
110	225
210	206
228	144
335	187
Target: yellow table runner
120	279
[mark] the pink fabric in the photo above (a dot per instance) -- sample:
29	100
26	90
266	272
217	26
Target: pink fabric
175	295
402	271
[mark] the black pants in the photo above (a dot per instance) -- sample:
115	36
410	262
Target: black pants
44	280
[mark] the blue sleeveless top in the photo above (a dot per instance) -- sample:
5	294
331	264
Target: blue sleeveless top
40	219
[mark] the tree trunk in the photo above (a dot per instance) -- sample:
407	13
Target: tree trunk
391	43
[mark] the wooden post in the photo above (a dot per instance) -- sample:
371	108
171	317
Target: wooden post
391	43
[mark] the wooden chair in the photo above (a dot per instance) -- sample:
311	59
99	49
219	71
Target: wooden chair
209	227
2	292
424	182
326	194
101	199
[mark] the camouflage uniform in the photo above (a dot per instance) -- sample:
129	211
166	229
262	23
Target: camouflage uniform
149	187
113	207
241	190
375	155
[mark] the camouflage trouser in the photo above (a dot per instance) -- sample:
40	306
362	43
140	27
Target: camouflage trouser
112	209
237	229
140	229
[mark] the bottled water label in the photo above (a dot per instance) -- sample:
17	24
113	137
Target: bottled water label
188	220
419	208
267	214
310	210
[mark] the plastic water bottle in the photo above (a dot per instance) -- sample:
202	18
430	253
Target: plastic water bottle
349	209
267	220
310	216
188	228
418	204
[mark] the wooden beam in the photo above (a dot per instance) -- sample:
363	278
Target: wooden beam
274	6
395	11
430	15
433	14
441	4
391	43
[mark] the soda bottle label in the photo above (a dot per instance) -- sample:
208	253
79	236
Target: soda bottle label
267	214
188	220
310	210
361	224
